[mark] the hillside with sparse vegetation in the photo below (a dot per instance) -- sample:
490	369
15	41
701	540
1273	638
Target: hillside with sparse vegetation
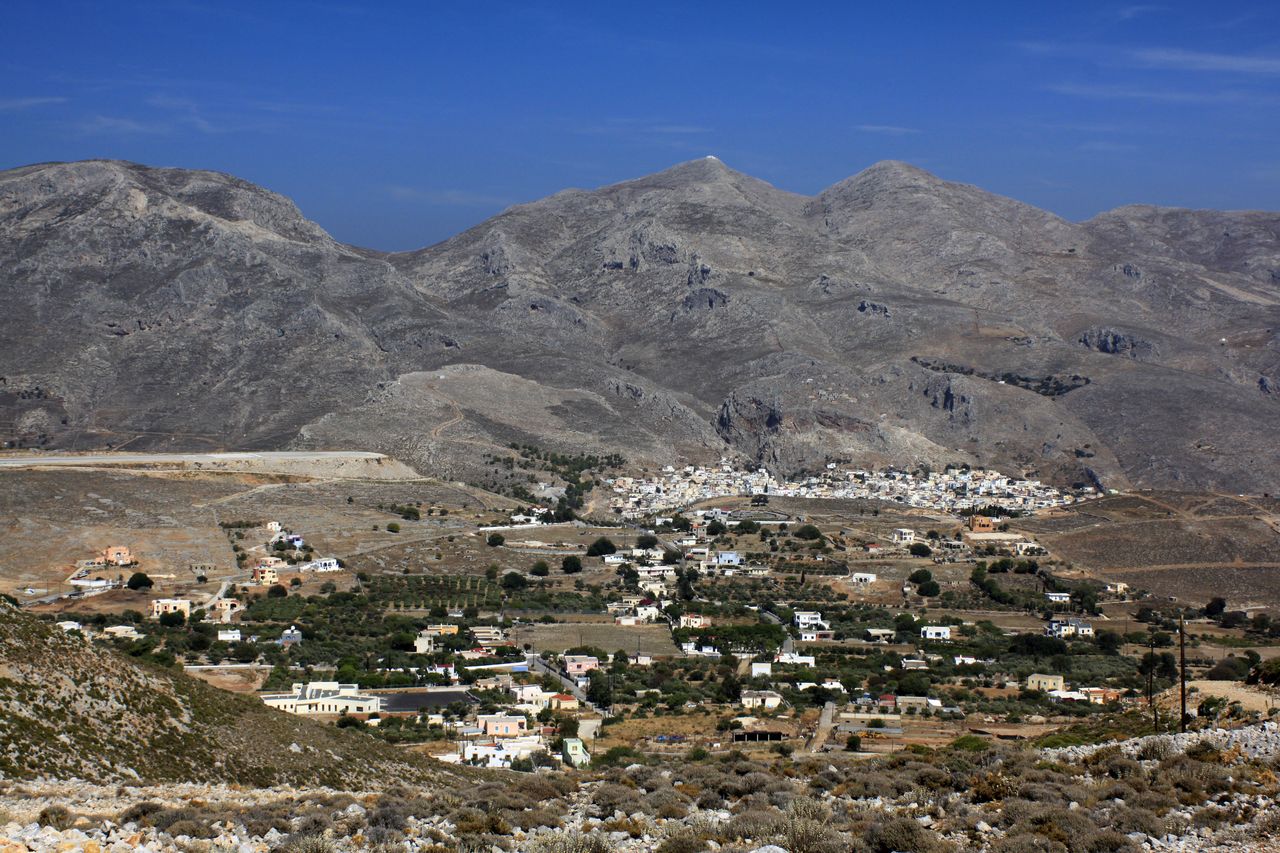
69	709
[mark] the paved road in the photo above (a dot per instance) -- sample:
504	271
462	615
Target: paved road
789	644
40	460
825	724
541	667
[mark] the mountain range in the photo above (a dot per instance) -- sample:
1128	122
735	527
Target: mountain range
892	319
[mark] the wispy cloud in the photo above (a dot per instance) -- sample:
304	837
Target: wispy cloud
676	129
100	124
449	198
1128	13
1156	57
1170	96
1190	60
14	104
1270	172
1106	147
887	129
183	111
656	127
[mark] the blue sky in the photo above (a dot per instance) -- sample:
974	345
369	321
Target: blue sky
397	125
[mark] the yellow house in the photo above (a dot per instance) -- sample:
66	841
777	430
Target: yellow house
265	576
161	606
1045	683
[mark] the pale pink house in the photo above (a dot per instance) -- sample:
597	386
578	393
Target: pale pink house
580	664
502	725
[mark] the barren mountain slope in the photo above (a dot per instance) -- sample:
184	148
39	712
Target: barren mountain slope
893	319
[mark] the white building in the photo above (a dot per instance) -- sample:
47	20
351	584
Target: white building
1063	628
935	632
229	635
425	642
319	698
904	536
496	753
809	619
862	578
322	566
767	699
795	659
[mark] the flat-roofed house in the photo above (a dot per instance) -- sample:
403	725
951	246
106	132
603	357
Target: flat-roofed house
161	606
317	698
1045	683
580	664
502	725
767	699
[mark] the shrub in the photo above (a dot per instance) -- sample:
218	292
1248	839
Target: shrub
167	818
495	539
1026	843
571	564
57	817
308	844
571	841
190	828
970	743
1126	820
899	833
807	531
803	835
1156	749
601	547
393	528
176	619
754	825
683	840
139	812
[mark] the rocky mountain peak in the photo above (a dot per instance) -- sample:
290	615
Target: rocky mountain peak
66	193
689	314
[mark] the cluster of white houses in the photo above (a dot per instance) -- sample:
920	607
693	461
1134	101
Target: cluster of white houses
954	489
489	740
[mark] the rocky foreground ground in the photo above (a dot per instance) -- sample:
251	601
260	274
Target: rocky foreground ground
1206	791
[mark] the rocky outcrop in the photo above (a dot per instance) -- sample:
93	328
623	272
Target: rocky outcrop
1113	342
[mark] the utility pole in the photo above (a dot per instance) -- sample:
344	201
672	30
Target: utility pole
1182	673
1151	674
